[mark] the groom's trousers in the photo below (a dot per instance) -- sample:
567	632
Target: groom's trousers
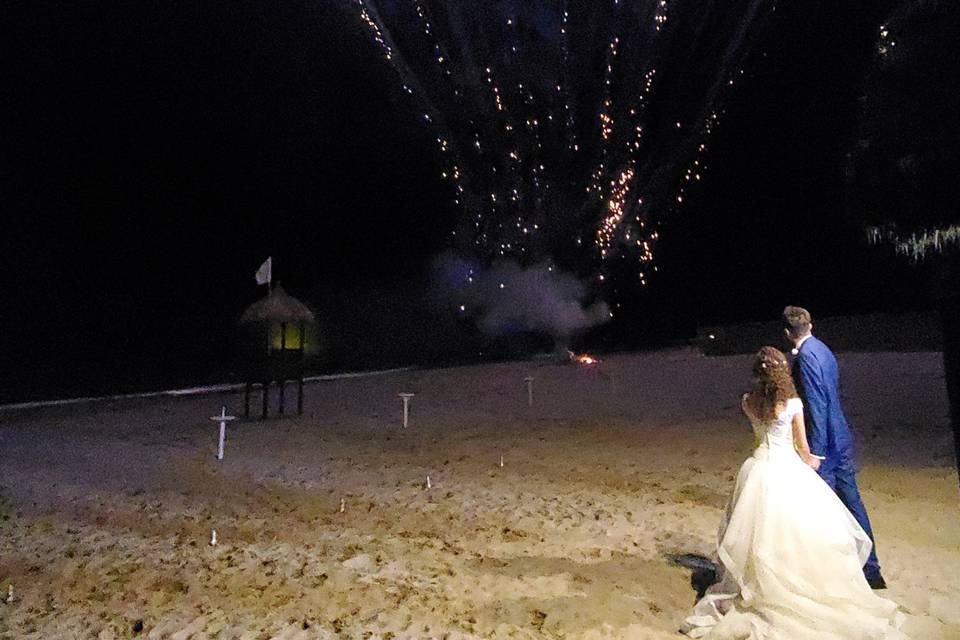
841	475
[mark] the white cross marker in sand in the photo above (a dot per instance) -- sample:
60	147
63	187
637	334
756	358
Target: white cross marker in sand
406	407
223	419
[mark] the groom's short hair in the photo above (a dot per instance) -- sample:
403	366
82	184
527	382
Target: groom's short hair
796	320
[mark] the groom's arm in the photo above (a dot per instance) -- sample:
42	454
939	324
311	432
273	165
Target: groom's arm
815	396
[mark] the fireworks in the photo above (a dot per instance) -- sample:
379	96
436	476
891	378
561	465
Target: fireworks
555	123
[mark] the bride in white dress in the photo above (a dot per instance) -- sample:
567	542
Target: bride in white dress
792	554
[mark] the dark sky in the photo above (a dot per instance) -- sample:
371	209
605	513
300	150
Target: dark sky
774	222
153	155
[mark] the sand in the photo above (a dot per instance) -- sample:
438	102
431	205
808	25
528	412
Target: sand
107	508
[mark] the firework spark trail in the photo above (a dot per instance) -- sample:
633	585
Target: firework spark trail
606	120
440	53
453	160
569	120
606	173
615	199
734	52
644	238
533	169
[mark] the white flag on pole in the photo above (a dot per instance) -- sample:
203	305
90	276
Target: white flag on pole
264	274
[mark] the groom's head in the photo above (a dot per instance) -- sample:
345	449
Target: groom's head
796	323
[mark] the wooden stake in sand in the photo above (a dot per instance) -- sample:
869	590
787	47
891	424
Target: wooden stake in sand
429	486
223	419
213	538
529	381
406	407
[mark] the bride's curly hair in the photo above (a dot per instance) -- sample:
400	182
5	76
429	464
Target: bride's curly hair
773	385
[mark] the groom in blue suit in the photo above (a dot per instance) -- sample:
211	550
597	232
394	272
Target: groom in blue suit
828	434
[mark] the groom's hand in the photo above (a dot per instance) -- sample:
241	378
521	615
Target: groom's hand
813	462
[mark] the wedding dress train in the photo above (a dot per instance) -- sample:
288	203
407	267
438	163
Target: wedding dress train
792	556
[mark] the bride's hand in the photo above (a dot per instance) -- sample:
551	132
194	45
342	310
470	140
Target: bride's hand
812	461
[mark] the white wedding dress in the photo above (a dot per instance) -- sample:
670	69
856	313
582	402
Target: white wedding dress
792	556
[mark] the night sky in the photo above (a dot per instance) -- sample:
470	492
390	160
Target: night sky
154	156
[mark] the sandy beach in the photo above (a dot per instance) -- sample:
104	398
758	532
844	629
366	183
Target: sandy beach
107	508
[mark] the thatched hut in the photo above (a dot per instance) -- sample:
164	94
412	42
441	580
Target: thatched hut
278	333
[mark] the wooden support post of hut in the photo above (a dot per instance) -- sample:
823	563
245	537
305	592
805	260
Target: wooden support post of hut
277	332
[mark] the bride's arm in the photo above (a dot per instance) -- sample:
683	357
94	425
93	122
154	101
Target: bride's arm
745	405
800	441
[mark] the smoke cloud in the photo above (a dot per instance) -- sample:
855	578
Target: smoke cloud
508	297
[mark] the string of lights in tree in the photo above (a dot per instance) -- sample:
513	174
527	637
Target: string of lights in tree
886	43
557	121
918	245
902	149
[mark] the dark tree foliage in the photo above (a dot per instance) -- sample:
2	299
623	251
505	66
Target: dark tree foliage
904	170
904	167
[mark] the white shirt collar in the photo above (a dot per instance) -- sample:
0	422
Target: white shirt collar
796	349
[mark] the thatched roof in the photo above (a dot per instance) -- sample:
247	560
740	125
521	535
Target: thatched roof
277	306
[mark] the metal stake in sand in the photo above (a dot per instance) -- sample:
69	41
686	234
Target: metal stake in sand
529	381
223	419
406	407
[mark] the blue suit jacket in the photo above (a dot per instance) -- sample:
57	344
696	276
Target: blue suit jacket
818	383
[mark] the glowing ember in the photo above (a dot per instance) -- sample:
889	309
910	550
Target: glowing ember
586	359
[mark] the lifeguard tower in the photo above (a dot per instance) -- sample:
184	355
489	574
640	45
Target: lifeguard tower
278	333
